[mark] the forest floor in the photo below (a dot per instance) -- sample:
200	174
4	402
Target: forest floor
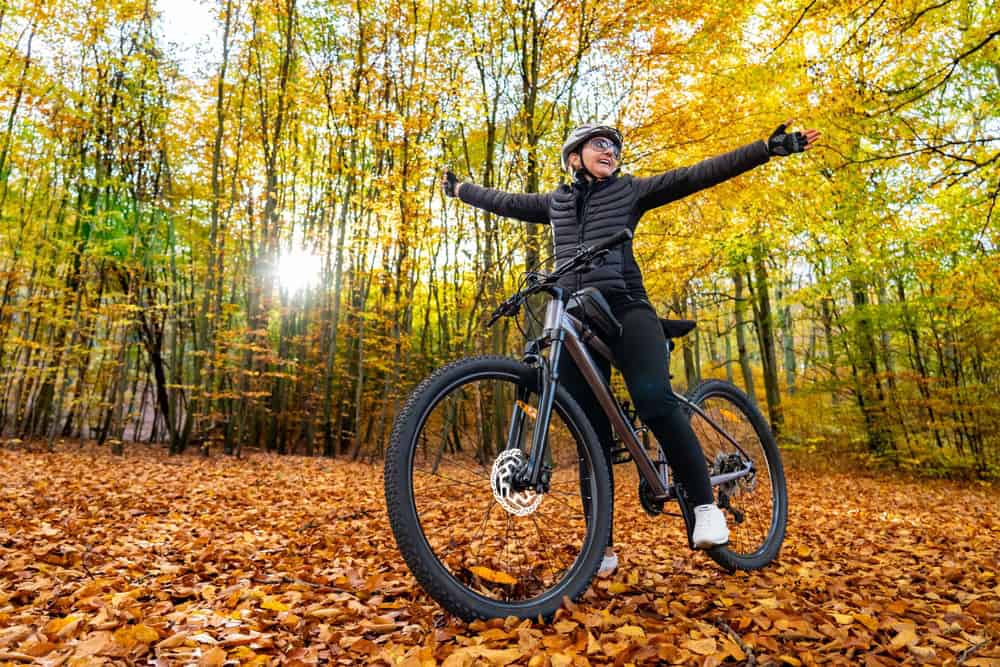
287	560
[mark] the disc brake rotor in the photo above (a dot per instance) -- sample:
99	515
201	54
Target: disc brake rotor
726	463
505	467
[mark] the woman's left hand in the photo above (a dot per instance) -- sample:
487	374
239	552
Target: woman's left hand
786	143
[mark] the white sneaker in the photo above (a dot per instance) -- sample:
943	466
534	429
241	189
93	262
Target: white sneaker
608	565
710	528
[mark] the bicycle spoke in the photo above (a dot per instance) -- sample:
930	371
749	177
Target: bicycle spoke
506	545
543	542
564	502
451	481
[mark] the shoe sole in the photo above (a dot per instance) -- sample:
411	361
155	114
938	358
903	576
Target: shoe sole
710	545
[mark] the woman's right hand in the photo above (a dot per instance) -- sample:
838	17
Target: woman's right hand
450	184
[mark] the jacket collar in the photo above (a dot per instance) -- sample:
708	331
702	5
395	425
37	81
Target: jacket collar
580	181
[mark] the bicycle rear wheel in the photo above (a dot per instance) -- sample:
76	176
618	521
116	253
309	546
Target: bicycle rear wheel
479	549
756	504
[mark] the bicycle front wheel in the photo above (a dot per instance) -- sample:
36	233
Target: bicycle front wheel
756	505
481	549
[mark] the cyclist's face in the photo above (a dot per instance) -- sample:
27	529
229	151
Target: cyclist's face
600	156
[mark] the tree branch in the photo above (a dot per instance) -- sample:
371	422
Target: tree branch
989	216
792	29
951	67
919	15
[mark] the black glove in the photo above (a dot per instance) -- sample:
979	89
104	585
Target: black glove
785	144
449	184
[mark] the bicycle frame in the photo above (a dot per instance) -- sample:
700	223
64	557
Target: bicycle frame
562	330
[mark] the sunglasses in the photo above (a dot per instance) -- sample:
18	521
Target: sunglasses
603	144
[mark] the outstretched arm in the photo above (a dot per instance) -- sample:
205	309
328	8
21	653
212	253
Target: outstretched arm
526	207
663	188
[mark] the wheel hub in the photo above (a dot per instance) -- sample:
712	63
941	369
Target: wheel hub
506	467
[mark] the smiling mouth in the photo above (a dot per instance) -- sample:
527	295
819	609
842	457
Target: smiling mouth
605	161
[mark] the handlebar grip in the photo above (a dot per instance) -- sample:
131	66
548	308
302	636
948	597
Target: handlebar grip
607	244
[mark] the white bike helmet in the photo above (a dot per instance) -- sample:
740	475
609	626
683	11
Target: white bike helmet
581	134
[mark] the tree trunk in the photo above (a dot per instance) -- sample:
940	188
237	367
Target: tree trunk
764	320
739	311
787	340
691	375
879	437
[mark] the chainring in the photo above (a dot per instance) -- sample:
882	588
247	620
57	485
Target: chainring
651	505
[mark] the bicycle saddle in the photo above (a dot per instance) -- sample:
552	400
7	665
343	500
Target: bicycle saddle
677	328
590	306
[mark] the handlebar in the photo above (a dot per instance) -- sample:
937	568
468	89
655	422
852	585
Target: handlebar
541	282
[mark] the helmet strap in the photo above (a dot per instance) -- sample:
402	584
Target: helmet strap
580	175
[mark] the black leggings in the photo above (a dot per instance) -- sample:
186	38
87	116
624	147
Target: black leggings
641	355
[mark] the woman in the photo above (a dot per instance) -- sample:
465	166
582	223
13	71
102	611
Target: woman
598	204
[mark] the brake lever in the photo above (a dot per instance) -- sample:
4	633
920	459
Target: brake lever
594	261
498	312
508	307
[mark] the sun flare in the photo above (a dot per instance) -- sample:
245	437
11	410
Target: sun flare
298	270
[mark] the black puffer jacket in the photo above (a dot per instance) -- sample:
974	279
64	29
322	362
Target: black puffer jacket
586	213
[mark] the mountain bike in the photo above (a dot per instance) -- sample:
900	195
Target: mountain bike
498	489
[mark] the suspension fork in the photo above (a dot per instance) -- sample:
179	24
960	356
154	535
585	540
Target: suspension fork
548	378
517	418
534	476
521	407
539	435
531	476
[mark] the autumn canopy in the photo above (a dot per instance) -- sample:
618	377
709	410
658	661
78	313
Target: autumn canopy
223	228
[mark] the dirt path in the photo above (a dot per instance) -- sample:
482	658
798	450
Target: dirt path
290	561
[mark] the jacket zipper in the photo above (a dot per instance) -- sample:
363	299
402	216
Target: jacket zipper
583	221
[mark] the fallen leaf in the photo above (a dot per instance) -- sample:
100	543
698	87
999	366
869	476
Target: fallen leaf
14	635
173	640
903	638
704	646
96	643
922	652
866	621
274	604
560	660
213	657
632	631
62	627
565	627
492	575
